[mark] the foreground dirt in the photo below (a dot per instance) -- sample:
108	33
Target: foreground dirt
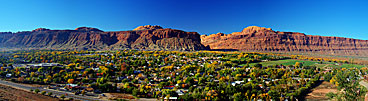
8	93
319	93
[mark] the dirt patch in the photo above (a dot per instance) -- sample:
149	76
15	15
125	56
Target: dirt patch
114	96
319	93
12	94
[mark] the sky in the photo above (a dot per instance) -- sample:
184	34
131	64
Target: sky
343	18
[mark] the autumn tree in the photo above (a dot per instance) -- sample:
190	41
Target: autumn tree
298	65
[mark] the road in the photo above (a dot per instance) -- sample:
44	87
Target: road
54	92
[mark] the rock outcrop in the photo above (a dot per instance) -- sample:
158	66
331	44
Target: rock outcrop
255	38
148	27
147	38
88	29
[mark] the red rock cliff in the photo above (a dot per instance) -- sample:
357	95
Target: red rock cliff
255	38
146	37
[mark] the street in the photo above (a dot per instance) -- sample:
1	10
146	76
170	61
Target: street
55	92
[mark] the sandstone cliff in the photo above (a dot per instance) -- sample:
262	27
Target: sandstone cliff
255	38
145	37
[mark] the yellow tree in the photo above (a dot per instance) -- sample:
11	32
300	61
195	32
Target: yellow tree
70	81
298	65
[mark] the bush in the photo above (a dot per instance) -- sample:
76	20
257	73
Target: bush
43	92
62	97
327	77
331	95
36	90
31	90
49	94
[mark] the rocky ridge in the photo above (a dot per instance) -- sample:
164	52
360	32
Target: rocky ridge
145	37
255	38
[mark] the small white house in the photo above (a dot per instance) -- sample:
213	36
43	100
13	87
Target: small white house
8	75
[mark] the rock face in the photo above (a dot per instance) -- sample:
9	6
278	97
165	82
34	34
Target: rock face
88	29
148	27
146	37
255	38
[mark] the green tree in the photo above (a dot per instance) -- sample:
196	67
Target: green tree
258	65
327	77
49	94
274	94
36	90
135	92
238	97
62	97
330	95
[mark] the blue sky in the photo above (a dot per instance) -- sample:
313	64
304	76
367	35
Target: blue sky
347	18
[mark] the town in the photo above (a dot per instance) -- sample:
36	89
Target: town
173	75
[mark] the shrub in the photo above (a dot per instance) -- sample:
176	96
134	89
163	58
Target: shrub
49	94
331	95
62	97
36	90
43	92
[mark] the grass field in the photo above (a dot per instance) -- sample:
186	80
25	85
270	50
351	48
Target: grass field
307	63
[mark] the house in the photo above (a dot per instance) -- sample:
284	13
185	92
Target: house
8	75
169	87
172	98
236	83
72	86
179	92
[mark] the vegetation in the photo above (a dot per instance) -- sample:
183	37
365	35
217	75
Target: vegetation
348	81
62	97
318	64
331	95
37	90
49	94
202	75
43	92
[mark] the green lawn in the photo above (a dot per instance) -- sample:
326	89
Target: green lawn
349	65
306	63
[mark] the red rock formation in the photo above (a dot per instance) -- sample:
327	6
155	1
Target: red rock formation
88	29
154	38
40	29
265	39
148	27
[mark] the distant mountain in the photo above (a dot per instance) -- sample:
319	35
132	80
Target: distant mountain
149	37
144	37
255	38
